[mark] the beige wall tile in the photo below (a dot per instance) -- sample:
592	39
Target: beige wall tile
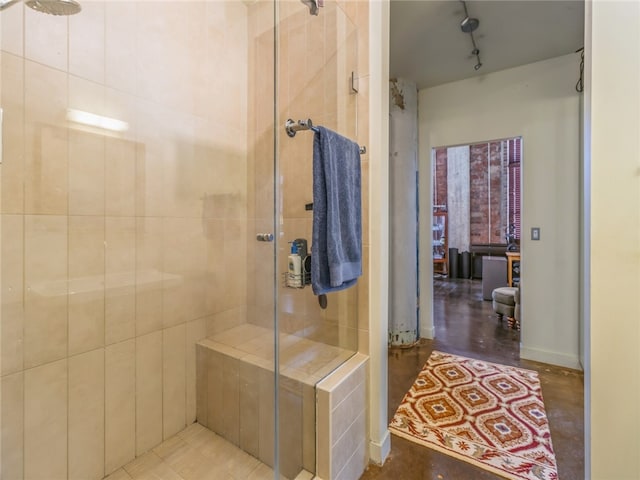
348	379
122	106
45	428
215	274
188	174
170	78
215	406
202	394
149	280
155	145
120	279
12	30
249	381
290	435
86	283
86	415
323	422
308	427
173	380
87	42
148	391
228	28
235	240
184	286
45	326
12	426
120	404
12	315
46	39
363	341
46	147
347	410
45	165
120	176
86	96
348	444
225	320
267	424
231	399
356	464
196	330
86	173
120	45
13	129
362	21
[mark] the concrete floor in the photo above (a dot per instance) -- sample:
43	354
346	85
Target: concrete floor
465	325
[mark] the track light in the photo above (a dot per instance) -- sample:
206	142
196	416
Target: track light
469	25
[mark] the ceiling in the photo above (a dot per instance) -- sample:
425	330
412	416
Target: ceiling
429	48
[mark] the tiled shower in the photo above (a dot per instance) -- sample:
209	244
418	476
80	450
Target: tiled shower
126	242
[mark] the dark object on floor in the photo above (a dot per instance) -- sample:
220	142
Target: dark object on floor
466	265
453	263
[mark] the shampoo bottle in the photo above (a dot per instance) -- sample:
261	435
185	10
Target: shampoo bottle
295	268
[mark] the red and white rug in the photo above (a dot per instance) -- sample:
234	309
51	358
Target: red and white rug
490	415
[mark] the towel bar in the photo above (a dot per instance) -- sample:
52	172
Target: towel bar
293	127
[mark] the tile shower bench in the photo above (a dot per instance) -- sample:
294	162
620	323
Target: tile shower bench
235	396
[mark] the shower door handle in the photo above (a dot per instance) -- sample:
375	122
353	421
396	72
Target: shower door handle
264	237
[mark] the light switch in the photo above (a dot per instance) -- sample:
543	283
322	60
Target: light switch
535	233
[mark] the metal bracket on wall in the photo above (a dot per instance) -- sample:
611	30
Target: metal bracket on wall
354	83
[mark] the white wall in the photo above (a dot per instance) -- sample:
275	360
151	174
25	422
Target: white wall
538	102
378	153
612	105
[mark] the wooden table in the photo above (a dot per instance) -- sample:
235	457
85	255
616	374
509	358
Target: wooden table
512	257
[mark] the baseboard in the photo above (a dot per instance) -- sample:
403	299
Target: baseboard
553	358
427	331
378	452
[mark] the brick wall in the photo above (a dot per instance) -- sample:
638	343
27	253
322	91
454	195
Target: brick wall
479	185
488	206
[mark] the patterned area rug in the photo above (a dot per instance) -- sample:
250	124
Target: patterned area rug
486	414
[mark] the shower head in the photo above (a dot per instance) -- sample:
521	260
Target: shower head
52	7
55	7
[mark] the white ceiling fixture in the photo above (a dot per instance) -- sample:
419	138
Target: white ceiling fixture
426	41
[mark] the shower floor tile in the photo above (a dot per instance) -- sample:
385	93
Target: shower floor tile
195	453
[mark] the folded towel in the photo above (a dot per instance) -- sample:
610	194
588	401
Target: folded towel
336	260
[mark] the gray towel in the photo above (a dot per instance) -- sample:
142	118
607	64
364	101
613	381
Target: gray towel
336	260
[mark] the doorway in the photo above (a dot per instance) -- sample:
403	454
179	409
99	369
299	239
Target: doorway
476	218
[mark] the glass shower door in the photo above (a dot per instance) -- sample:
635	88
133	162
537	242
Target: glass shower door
138	168
316	60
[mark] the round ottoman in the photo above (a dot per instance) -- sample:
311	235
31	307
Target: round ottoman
503	300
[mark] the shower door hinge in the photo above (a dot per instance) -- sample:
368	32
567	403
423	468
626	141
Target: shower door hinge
354	83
